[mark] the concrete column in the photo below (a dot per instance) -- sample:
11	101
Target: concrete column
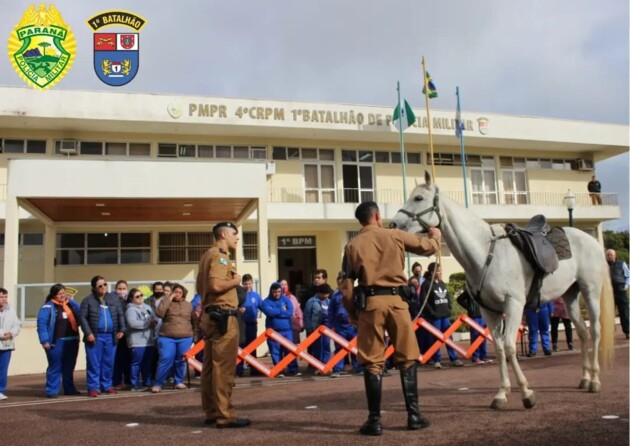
264	266
11	249
50	250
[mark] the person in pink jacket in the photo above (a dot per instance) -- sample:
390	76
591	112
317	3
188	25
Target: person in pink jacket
297	320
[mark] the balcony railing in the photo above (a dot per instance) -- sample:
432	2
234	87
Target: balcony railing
387	196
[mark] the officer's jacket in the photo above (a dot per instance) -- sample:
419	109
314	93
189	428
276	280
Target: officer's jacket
376	257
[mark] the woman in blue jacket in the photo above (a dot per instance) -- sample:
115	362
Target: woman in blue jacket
103	324
279	310
58	331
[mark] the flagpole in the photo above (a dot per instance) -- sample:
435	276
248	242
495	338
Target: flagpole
461	144
403	163
426	100
403	158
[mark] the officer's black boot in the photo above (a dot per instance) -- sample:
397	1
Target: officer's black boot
373	384
409	381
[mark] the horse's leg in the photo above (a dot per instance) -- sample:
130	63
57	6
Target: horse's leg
573	306
495	325
591	293
512	323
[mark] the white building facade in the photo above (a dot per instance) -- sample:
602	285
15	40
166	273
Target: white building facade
128	186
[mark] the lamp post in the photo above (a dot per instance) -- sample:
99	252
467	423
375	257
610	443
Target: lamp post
569	202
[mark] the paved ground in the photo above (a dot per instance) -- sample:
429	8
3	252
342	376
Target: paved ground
320	410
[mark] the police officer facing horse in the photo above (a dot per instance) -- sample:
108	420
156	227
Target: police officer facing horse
376	258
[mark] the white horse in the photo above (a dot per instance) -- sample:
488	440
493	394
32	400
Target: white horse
503	285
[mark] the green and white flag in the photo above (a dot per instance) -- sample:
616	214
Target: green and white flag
404	118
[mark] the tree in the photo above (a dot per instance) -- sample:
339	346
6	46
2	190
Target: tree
44	45
619	242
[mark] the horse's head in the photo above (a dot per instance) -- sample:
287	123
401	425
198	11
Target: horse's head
422	209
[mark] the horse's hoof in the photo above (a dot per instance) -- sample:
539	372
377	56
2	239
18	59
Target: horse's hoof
530	401
584	384
595	387
498	404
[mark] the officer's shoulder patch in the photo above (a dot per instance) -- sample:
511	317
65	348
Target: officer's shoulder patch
223	261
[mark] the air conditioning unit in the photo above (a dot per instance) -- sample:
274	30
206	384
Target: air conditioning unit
585	165
270	167
69	147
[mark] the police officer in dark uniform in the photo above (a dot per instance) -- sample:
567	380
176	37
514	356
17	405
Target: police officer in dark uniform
217	280
376	258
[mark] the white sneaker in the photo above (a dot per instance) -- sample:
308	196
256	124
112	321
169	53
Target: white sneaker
3	396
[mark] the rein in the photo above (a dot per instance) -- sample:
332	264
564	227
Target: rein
417	217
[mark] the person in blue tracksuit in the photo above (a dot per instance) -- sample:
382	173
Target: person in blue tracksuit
102	320
279	310
252	305
539	321
316	314
58	332
339	320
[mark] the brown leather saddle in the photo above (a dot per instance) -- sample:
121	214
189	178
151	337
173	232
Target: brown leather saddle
535	242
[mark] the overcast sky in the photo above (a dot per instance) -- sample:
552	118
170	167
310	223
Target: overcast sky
560	59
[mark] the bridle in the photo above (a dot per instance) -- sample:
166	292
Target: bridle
417	217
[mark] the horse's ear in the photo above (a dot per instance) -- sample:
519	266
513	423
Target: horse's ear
427	177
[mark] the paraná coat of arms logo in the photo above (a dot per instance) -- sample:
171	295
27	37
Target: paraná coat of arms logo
42	47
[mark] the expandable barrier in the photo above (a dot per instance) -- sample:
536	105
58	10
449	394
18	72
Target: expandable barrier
300	350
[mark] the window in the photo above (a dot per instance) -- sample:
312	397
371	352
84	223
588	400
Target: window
124	149
291	153
32	239
205	151
167	150
27	239
139	149
414	158
319	180
13	146
223	151
514	186
484	188
116	148
357	174
259	153
250	246
23	146
187	150
183	247
103	248
241	152
91	148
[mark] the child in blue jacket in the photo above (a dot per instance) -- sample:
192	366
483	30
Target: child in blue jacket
279	310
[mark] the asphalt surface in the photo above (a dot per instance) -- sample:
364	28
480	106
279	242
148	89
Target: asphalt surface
326	411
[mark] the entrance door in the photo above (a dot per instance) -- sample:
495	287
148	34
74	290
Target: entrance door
297	259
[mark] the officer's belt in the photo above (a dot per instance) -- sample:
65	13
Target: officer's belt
225	311
381	291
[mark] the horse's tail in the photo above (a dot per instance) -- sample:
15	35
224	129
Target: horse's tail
607	322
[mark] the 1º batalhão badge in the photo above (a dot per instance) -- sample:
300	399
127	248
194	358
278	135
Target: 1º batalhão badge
42	47
116	54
